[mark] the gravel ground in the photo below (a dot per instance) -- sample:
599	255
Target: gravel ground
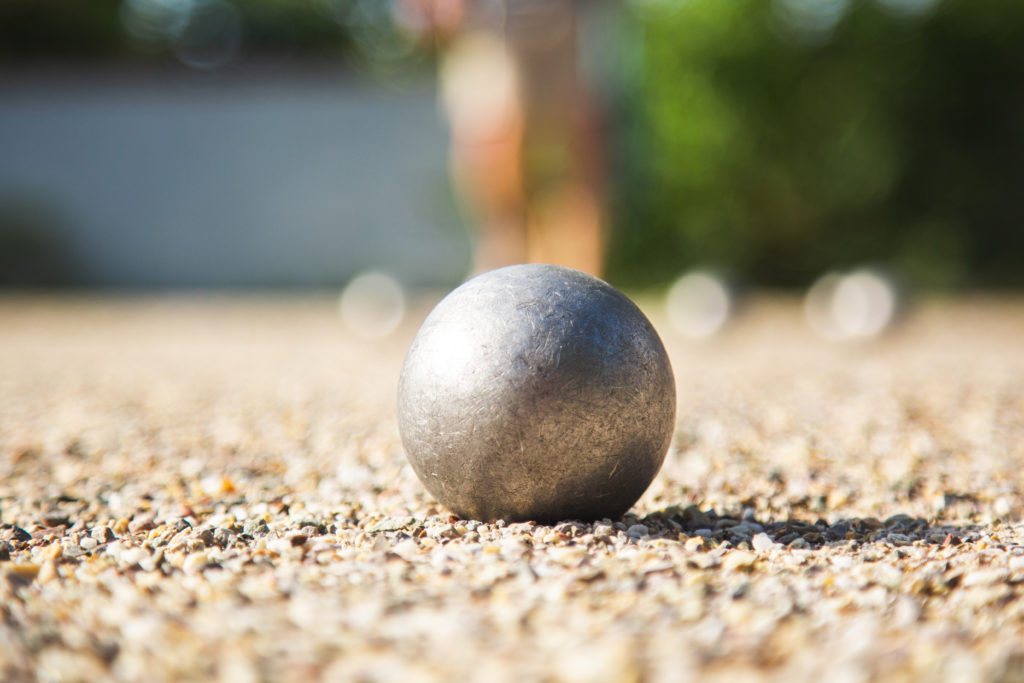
215	489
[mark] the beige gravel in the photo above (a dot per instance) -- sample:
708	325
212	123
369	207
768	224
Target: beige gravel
213	488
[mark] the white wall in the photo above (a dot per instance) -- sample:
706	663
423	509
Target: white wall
170	179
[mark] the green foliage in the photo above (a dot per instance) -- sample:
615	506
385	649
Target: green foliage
38	29
776	140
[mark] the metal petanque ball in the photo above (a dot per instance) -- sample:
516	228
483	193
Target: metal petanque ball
536	392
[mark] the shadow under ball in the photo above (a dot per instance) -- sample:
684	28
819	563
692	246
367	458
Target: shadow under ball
536	392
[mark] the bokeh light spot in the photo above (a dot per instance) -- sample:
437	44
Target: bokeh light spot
698	304
810	22
908	8
857	305
372	305
212	37
156	21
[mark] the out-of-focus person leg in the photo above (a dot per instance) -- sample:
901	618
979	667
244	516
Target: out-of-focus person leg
526	146
480	90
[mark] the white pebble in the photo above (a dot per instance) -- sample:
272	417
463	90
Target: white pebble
132	556
762	542
513	549
194	562
407	549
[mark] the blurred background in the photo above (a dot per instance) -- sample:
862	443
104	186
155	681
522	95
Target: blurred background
298	143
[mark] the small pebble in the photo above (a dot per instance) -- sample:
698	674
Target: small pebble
637	531
762	542
694	544
738	560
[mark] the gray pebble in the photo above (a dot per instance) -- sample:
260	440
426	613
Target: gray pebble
638	531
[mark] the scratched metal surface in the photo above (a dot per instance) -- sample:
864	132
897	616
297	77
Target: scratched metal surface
536	392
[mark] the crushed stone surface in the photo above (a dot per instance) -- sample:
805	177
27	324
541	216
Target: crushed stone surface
214	488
